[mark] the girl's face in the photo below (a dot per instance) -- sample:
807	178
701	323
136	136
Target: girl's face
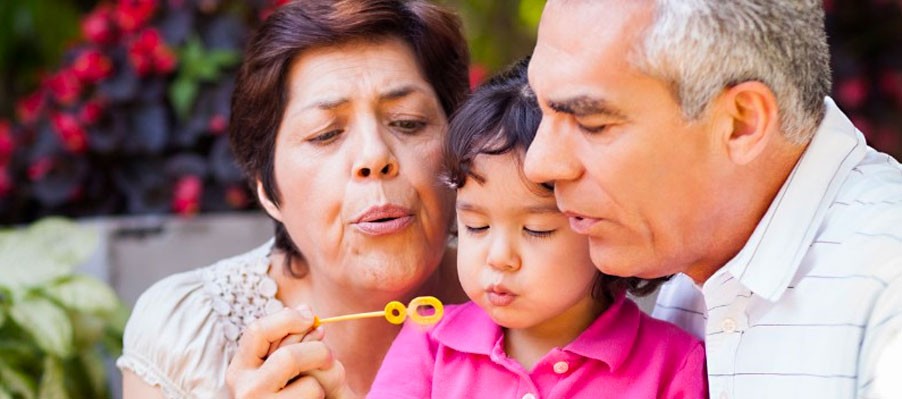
517	257
357	157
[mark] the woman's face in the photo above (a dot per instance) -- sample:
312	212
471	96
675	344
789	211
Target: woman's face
357	160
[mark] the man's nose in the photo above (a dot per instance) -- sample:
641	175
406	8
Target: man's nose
550	158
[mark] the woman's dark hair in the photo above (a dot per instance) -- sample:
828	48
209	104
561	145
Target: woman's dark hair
502	116
258	102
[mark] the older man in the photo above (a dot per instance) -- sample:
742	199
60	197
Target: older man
694	137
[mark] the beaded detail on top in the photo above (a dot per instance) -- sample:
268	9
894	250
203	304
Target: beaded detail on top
240	291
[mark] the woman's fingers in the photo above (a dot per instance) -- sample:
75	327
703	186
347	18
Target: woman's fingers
305	387
315	335
262	334
334	381
290	361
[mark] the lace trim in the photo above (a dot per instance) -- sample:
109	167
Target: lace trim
241	291
153	377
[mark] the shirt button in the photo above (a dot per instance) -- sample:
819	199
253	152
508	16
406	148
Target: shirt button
529	396
728	325
561	367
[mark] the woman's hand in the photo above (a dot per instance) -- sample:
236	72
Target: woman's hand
282	356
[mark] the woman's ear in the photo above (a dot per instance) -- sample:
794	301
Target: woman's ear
271	208
752	111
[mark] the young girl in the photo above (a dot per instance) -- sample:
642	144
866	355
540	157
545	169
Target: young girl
543	322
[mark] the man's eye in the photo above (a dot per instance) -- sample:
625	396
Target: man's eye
593	129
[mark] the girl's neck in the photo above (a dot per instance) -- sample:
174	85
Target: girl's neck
528	345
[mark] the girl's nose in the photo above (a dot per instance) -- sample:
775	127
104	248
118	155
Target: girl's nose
503	255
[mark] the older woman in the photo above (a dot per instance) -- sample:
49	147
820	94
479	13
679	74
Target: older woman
338	117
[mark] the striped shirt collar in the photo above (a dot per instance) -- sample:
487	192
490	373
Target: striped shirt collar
771	257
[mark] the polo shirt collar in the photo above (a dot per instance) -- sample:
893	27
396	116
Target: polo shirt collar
609	339
770	259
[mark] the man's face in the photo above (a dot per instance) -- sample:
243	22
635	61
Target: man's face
635	177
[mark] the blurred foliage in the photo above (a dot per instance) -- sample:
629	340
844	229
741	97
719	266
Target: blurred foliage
55	325
119	106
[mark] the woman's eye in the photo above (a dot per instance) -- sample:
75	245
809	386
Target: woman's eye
325	137
408	125
476	230
538	233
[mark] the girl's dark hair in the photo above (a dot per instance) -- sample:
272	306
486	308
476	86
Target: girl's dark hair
502	116
258	102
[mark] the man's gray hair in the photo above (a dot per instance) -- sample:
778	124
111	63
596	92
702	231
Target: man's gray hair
703	46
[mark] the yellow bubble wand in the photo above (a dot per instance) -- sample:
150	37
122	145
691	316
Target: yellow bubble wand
395	312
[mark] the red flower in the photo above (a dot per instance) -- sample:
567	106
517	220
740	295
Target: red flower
186	195
64	86
6	183
147	53
217	124
891	83
73	135
91	112
30	107
7	143
236	197
91	66
131	15
477	75
38	169
853	92
98	25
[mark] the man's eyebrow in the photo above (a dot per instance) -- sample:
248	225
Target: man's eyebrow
584	106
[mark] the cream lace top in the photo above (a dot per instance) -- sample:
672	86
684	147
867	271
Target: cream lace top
184	330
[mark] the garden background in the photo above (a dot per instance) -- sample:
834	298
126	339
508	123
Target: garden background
114	113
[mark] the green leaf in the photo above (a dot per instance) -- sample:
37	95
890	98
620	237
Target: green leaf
2	316
45	251
53	383
182	94
16	382
530	11
94	368
46	323
223	58
4	394
84	294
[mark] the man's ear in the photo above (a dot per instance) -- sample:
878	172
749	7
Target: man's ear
271	208
753	119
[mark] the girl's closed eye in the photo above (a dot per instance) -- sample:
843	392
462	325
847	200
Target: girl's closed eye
474	230
540	233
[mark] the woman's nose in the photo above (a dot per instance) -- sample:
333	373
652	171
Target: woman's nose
503	255
376	159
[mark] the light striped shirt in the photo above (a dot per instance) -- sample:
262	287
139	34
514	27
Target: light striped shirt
811	302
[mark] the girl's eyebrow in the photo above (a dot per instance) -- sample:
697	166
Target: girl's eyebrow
543	209
468	207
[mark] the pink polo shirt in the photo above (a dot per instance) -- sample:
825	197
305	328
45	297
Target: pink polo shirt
624	353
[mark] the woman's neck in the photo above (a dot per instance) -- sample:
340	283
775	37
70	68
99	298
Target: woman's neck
528	345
